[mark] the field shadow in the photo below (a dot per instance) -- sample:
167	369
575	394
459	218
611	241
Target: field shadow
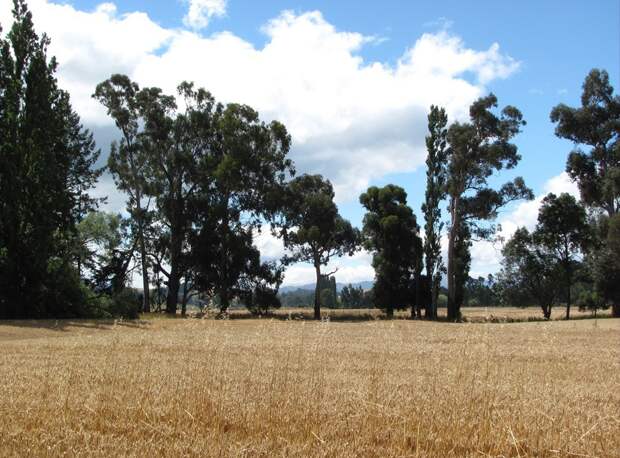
65	325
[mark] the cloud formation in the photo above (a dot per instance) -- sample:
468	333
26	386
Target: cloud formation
200	12
352	120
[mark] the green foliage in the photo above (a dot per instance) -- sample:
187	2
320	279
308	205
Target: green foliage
391	233
477	150
129	161
606	264
105	251
595	124
590	300
481	292
314	231
241	184
46	161
436	161
355	297
564	231
530	273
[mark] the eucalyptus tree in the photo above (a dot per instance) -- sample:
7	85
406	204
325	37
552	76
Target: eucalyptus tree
128	161
314	231
530	273
391	232
46	160
478	149
242	186
178	139
564	230
436	160
596	124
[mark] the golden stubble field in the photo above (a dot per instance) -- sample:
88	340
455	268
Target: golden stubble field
272	387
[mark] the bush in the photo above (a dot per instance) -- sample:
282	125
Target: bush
125	304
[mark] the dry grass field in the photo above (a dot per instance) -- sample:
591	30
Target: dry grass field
274	387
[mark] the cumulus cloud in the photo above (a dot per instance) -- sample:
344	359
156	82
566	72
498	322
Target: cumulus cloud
200	12
352	120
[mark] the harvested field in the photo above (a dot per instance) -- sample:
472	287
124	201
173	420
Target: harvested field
274	387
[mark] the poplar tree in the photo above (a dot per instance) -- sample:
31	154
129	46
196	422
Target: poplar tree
436	160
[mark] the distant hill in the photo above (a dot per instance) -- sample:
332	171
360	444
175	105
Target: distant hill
366	285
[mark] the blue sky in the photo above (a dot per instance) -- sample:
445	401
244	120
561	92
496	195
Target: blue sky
351	79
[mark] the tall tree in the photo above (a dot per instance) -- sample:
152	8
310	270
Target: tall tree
436	161
391	232
477	149
242	187
563	229
179	141
314	230
45	174
595	124
128	161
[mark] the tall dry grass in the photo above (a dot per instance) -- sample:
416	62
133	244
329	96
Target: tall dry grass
295	388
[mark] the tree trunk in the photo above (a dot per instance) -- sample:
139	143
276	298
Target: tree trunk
317	292
615	310
224	301
418	296
174	280
452	306
146	300
568	300
569	282
184	300
146	293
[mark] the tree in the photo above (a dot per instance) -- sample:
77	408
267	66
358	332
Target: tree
391	232
529	273
563	230
128	160
477	149
436	160
352	297
329	294
106	251
595	124
606	263
480	291
46	160
313	229
240	187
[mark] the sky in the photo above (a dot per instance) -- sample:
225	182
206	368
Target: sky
351	80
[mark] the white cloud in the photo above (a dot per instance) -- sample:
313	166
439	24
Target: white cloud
200	12
352	120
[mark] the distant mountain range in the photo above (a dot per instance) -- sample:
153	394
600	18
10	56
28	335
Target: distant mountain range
366	285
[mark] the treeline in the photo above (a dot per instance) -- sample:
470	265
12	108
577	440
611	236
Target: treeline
203	178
